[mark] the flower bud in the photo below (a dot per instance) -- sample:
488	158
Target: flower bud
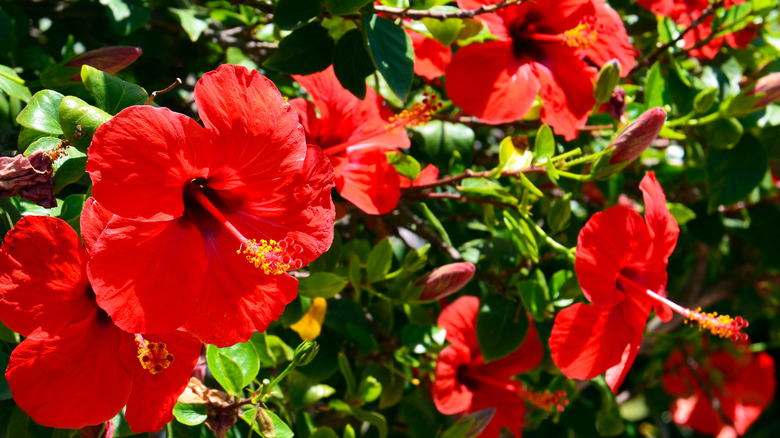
107	59
637	136
446	280
29	177
770	86
609	76
305	353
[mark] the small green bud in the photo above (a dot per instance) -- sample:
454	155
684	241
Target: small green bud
609	76
704	100
305	353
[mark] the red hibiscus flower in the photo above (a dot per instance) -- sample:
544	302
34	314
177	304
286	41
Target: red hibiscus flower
431	57
464	383
544	48
73	351
356	135
743	384
208	219
621	266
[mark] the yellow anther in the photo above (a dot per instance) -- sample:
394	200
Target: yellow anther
719	325
153	356
272	257
582	36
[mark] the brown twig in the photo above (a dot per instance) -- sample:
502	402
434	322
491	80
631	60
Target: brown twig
706	13
459	197
453	180
419	14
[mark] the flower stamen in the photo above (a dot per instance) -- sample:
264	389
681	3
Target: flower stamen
419	114
153	356
545	400
583	35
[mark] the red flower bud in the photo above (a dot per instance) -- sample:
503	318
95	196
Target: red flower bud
770	86
29	177
446	280
107	59
637	136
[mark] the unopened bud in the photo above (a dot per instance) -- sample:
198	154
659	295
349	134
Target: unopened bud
617	103
305	353
479	421
637	136
770	86
704	100
29	177
107	59
609	76
446	280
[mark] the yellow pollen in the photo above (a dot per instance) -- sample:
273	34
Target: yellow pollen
419	114
719	325
273	257
545	400
153	356
583	35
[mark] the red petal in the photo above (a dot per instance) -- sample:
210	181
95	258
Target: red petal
74	380
235	291
140	161
616	374
488	82
607	242
495	23
662	225
449	394
147	275
94	219
255	135
151	400
525	358
459	319
369	181
588	340
43	285
301	208
430	56
510	410
612	41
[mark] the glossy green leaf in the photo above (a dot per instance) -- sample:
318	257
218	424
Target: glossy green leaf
533	297
544	143
345	7
379	261
233	366
373	418
190	414
303	391
705	100
74	112
404	164
13	85
681	213
446	31
127	16
190	22
321	284
275	428
656	90
733	173
324	432
416	259
723	133
352	63
501	327
292	14
42	112
111	93
306	50
391	49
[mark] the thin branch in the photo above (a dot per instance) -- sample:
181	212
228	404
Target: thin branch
459	197
423	229
453	180
659	50
418	14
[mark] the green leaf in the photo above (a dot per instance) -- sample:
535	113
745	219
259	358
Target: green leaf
42	112
126	16
346	371
705	99
681	213
280	428
416	259
656	89
373	418
70	210
533	297
111	94
404	164
13	85
529	185
352	63
369	390
321	284
723	133
510	158
379	261
355	273
446	31
68	168
303	391
324	432
560	213
391	49
74	112
501	327
191	24
733	173
486	187
233	367
5	391
544	144
306	50
190	414
345	7
292	14
28	136
608	421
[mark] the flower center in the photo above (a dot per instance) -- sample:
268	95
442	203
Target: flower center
581	36
418	114
273	257
719	325
153	356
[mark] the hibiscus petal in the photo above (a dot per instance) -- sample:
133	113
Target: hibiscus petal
301	208
587	340
147	275
369	181
237	299
256	136
431	57
150	405
94	219
612	40
616	374
140	161
459	319
494	22
43	285
605	245
74	380
662	225
525	358
488	82
449	394
510	410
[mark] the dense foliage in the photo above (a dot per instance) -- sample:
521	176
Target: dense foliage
402	218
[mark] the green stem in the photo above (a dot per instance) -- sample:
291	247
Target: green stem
585	158
17	80
566	155
704	120
574	176
681	121
274	382
549	240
